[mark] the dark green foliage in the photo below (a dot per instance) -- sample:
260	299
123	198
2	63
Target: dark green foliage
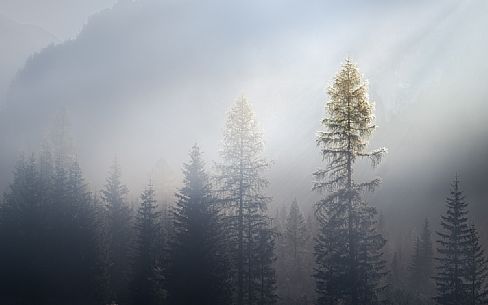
476	272
198	272
421	264
145	288
118	237
294	259
48	223
264	258
452	249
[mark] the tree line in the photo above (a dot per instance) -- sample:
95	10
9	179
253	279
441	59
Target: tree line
62	243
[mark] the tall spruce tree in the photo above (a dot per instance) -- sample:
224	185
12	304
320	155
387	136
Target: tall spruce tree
49	224
428	254
348	248
118	243
23	229
416	267
198	272
264	258
145	288
241	185
293	258
452	249
296	233
421	265
476	273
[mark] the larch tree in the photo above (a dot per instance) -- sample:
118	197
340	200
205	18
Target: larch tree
241	185
198	271
452	248
145	288
476	272
348	247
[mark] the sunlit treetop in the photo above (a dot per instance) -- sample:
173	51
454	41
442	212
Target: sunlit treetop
348	125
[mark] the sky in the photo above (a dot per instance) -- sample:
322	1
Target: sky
144	80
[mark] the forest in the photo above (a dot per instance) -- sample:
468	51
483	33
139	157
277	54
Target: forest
218	241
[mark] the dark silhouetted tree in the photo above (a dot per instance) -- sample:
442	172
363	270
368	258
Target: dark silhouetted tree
23	229
416	266
198	272
118	236
145	288
452	248
264	258
422	263
295	271
48	223
476	272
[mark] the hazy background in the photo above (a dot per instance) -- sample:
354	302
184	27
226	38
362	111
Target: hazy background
144	80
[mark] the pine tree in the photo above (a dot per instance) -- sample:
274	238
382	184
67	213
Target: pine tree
198	272
348	248
296	232
78	277
23	230
144	283
119	236
241	181
426	251
476	273
294	270
395	276
48	221
421	263
416	265
264	258
452	249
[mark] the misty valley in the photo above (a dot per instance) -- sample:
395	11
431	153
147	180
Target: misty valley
243	153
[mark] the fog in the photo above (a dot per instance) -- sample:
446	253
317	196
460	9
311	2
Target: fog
143	81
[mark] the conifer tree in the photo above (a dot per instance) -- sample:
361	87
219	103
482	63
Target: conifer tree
296	232
119	238
476	273
421	264
145	288
72	236
416	267
348	248
49	223
264	258
23	230
452	248
427	259
293	255
198	271
241	185
395	272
